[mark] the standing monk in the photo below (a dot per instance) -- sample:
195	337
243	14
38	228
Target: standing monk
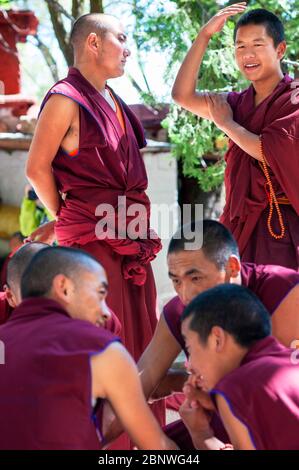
85	152
262	172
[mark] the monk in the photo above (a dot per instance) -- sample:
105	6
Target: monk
11	295
194	271
61	362
261	176
84	156
247	372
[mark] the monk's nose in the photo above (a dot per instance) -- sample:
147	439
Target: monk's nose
105	313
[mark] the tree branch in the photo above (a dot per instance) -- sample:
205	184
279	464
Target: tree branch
45	50
60	32
77	8
96	6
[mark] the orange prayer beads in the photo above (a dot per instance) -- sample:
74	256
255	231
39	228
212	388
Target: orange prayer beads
272	200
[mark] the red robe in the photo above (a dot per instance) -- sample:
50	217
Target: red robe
45	381
246	210
263	394
108	165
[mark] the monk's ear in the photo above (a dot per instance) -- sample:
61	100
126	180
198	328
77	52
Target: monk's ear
217	339
10	296
281	50
93	42
62	288
232	268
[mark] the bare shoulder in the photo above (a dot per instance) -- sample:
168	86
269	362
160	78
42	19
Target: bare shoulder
59	106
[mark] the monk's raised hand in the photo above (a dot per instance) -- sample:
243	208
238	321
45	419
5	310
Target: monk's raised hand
219	109
216	23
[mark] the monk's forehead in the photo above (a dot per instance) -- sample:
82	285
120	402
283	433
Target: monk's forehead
111	23
251	32
185	259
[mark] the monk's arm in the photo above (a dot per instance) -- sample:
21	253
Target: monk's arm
53	123
158	357
184	89
115	377
237	431
246	140
285	319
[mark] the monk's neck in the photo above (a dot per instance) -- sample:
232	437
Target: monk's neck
264	88
92	76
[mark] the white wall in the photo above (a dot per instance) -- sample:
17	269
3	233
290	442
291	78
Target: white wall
12	176
162	175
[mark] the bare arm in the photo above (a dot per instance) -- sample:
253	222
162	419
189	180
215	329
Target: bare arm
53	124
184	89
285	319
158	357
115	377
236	430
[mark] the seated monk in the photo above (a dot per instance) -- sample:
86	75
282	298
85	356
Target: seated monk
11	297
248	374
62	362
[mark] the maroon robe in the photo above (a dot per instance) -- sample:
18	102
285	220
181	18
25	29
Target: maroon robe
109	165
271	284
246	210
45	383
263	393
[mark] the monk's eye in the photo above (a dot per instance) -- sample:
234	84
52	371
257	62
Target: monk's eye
196	279
122	38
102	292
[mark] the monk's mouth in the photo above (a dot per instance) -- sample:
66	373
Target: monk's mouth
251	68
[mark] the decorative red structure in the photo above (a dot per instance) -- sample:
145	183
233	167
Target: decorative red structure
15	26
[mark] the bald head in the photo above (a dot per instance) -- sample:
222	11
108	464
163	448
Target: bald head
90	23
20	261
37	280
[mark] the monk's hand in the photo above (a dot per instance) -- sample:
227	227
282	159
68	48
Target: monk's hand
217	22
196	396
44	234
220	111
197	421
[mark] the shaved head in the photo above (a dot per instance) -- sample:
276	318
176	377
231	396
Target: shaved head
20	261
90	23
39	275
